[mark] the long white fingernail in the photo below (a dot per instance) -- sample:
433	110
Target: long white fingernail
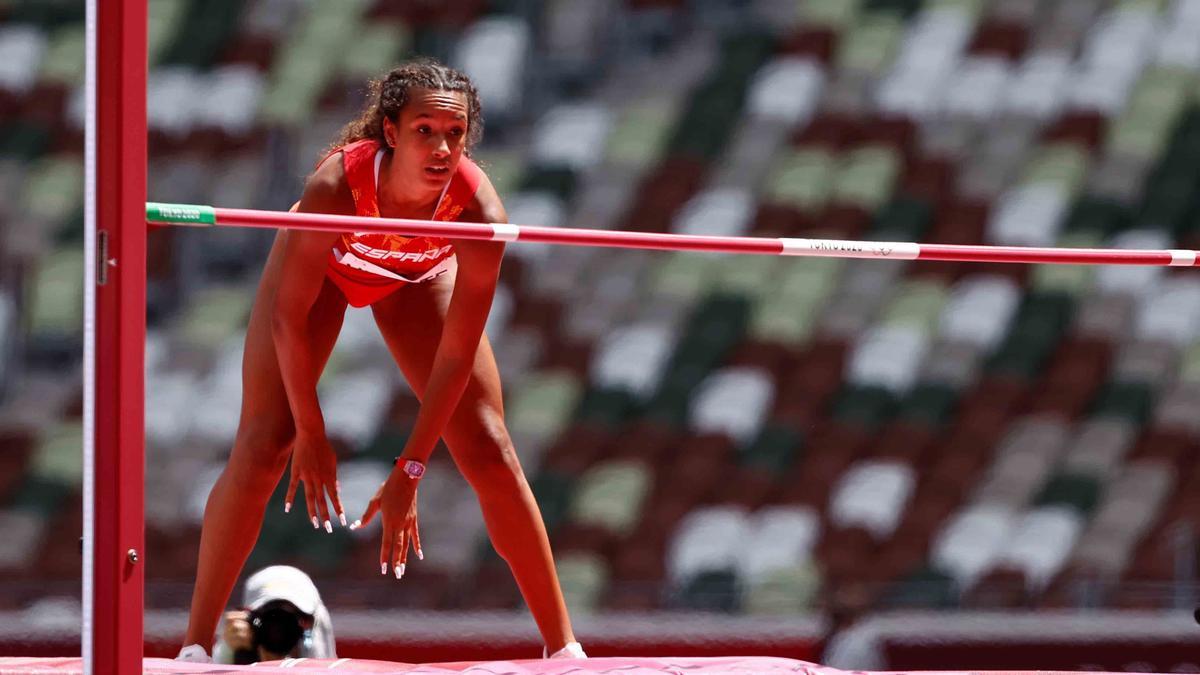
316	526
342	517
287	507
356	524
383	568
399	571
328	527
420	556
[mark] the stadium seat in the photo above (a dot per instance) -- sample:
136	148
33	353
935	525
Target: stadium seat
1176	45
21	50
452	526
733	401
163	21
979	311
217	314
917	304
611	495
1040	544
375	49
1099	446
872	495
171	398
784	591
1080	492
708	540
974	90
802	178
905	218
583	577
955	367
868	44
866	176
216	421
63	61
543	406
786	90
775	449
354	403
971	542
53	191
24	531
57	299
572	136
1025	458
890	357
1029	216
639	133
720	213
1172	314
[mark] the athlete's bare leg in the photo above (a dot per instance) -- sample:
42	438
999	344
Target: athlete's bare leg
411	321
234	514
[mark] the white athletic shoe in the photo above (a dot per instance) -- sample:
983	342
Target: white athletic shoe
193	654
573	650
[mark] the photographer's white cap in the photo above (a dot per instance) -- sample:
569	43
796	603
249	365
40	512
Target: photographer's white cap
282	582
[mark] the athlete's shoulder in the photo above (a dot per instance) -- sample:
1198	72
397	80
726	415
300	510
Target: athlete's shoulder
330	173
469	172
485	205
327	188
359	151
350	153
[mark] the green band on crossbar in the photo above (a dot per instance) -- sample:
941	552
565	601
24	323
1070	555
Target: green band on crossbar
186	214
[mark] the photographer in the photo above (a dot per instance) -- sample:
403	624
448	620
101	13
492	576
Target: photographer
283	617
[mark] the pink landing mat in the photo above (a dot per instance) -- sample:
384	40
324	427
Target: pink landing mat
615	666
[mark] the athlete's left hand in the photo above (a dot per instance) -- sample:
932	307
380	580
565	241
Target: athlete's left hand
396	504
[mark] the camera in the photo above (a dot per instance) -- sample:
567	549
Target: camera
278	627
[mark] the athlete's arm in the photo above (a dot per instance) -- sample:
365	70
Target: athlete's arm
474	288
305	256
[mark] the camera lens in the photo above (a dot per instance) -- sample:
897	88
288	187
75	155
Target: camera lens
277	630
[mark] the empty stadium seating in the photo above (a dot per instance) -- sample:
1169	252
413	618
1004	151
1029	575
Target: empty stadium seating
739	434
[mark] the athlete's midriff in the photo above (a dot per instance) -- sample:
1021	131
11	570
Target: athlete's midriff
368	266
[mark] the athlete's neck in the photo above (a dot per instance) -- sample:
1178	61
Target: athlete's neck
396	201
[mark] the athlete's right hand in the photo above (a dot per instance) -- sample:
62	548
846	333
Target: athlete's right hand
315	464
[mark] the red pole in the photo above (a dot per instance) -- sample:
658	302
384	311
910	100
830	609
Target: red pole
120	328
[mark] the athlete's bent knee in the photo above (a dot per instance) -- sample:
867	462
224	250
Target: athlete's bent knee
259	456
489	458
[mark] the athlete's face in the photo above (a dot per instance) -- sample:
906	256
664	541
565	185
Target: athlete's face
429	137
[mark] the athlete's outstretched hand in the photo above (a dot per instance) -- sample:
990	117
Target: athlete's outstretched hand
396	504
315	464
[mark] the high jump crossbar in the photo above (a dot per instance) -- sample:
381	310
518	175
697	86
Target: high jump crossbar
198	215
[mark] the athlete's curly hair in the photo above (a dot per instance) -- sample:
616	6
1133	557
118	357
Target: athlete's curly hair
387	95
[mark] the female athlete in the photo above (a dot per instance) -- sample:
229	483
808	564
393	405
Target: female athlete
404	157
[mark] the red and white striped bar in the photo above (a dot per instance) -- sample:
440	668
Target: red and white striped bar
184	214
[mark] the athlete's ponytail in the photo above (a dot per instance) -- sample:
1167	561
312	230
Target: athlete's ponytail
386	97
